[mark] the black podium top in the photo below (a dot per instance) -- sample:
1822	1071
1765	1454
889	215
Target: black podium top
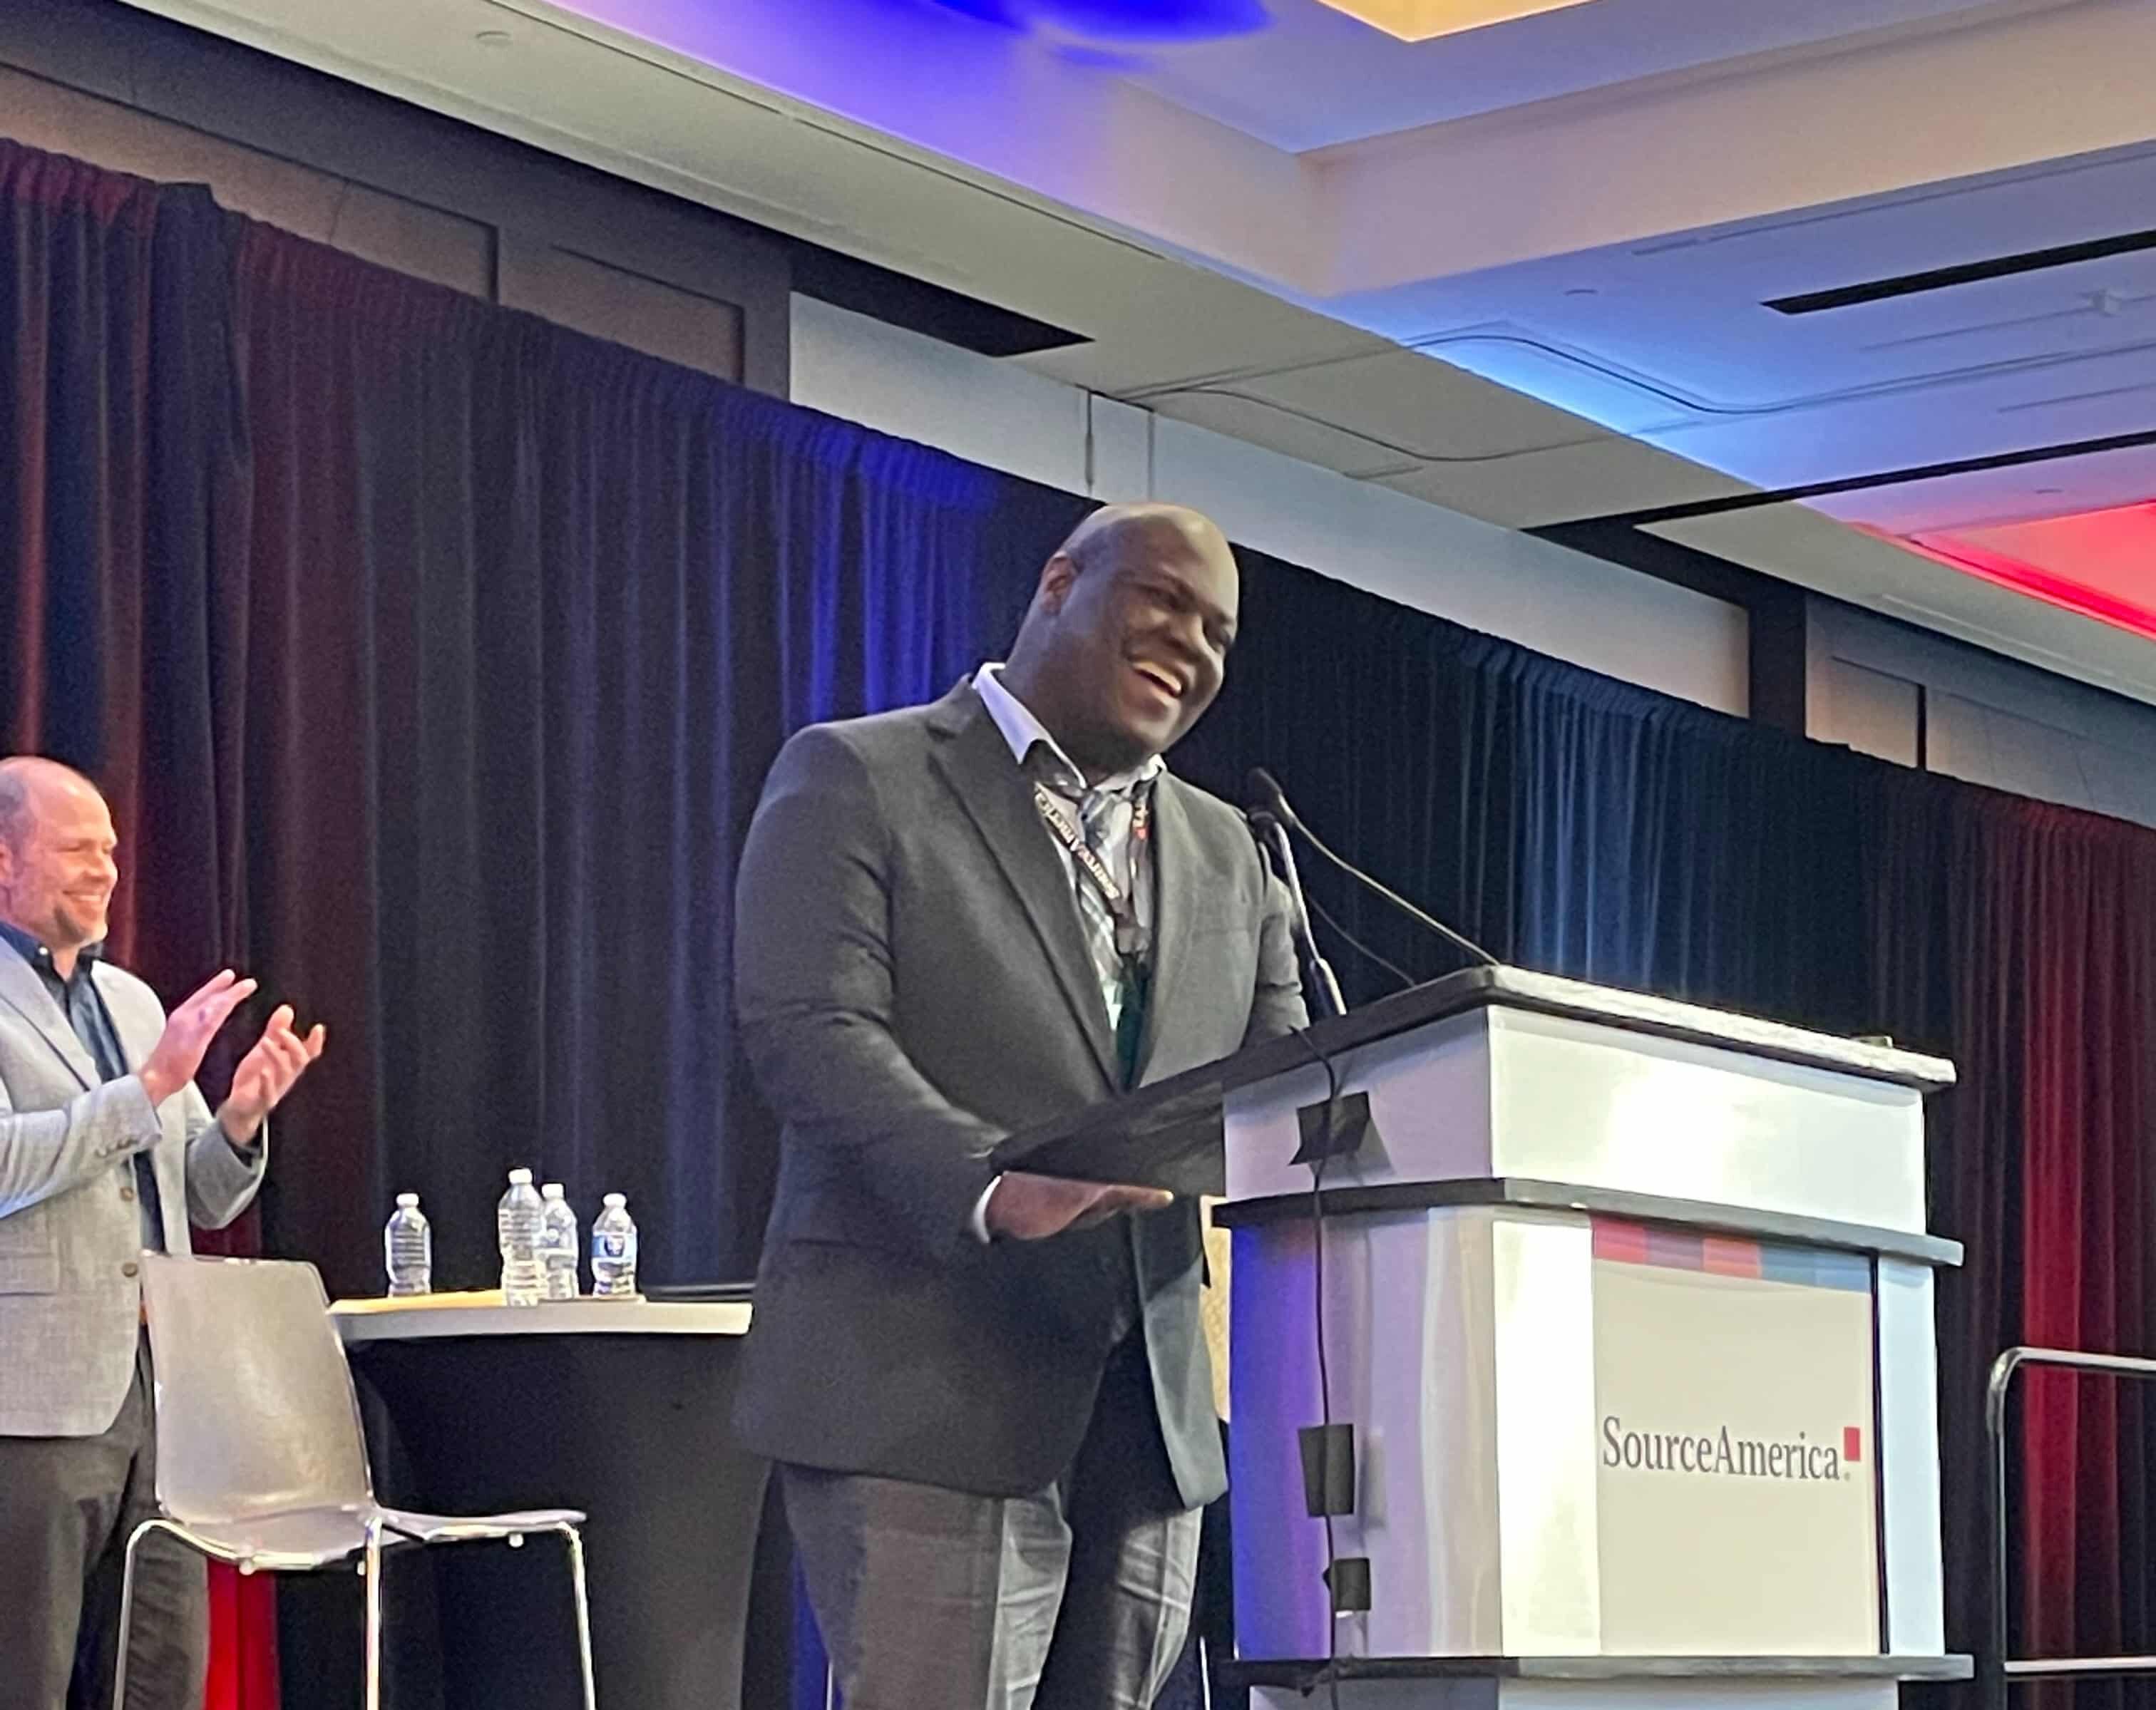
1167	1127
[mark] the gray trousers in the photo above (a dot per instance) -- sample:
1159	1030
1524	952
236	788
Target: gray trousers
1074	1598
67	1506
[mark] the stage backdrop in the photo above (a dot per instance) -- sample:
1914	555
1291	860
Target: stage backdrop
432	657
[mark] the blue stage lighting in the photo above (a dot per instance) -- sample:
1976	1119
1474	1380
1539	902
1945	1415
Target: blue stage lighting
988	11
1133	21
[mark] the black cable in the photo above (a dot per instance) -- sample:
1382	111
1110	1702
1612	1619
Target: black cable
1459	941
1356	945
1331	1673
1271	801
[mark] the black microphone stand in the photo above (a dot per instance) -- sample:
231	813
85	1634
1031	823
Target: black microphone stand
1322	984
1269	801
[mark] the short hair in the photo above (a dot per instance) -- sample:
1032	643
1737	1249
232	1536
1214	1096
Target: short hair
16	814
14	808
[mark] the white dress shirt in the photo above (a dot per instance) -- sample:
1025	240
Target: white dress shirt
1022	732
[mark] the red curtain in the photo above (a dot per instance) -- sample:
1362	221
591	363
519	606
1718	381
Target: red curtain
2020	939
115	457
2086	1108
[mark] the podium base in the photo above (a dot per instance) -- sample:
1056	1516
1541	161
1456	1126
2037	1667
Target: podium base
1591	1682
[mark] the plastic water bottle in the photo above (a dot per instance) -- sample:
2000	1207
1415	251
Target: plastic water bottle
408	1248
557	1243
516	1223
613	1251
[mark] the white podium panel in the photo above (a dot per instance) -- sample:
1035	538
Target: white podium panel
1620	1440
1736	1456
1497	1093
1629	1306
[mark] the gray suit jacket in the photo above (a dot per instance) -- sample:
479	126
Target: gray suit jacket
912	986
70	1231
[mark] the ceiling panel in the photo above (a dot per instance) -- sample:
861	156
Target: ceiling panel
1414	405
1317	77
1672	340
1982	499
1294	436
2102	563
1799	545
1601	478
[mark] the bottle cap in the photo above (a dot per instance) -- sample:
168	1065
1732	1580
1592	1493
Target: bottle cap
408	1201
520	1177
552	1190
616	1201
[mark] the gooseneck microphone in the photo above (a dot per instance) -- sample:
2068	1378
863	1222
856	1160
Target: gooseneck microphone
1267	799
1323	984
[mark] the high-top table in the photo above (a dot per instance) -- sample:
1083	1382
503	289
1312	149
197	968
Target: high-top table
620	1408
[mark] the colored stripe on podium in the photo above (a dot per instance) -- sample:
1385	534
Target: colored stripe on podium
1675	1249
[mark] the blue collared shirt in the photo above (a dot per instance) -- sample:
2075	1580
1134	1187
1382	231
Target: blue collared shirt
83	1006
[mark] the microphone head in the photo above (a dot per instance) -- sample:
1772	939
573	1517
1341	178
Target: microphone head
1262	793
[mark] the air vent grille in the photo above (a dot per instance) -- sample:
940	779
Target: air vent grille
1939	279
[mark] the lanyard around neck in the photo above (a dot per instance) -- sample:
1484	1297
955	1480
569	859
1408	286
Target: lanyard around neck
1130	936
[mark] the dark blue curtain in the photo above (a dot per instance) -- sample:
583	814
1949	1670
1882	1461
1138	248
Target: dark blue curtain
1565	821
521	618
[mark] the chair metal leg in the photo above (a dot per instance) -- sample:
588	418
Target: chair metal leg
577	1580
127	1612
371	1566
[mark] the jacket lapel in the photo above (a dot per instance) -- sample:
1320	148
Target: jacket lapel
977	764
129	1025
22	990
136	1028
1177	879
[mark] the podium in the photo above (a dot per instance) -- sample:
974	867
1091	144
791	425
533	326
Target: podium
1628	1304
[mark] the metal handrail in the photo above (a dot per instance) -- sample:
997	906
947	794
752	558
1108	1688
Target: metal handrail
2000	1670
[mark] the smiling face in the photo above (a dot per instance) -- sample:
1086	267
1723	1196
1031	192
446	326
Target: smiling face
58	868
1127	642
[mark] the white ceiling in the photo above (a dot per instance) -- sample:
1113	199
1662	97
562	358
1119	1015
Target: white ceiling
1318	77
1530	287
1670	340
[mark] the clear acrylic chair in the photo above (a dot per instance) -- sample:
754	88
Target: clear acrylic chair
261	1459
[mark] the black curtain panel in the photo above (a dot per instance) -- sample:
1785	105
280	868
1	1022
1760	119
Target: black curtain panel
1560	819
432	657
529	616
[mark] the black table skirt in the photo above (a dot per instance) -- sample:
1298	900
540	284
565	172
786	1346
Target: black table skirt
688	1584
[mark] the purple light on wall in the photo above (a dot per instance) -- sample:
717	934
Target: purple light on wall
1131	21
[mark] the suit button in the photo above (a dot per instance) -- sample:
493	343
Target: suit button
127	1193
130	1269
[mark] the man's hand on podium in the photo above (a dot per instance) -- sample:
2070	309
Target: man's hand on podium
1027	1207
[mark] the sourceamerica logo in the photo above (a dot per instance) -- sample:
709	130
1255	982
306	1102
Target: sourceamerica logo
1722	1454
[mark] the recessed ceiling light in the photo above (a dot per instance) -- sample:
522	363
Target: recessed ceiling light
495	38
1419	20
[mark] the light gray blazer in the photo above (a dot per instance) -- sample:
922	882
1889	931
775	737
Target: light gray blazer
70	1231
